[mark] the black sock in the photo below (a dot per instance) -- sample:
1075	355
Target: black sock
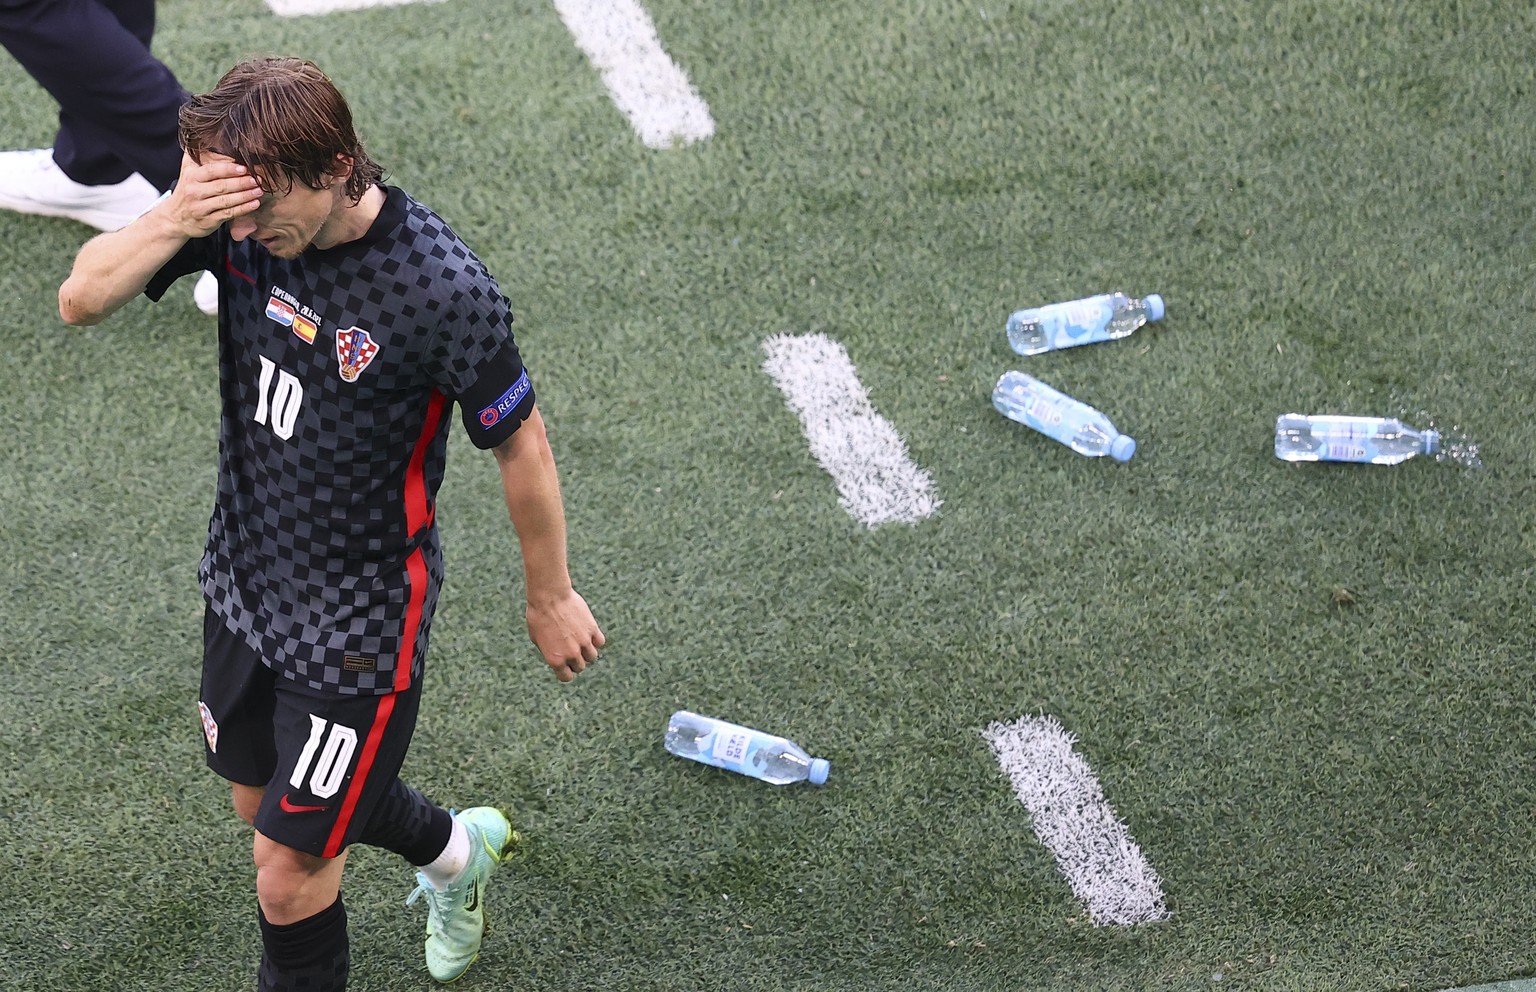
308	956
407	823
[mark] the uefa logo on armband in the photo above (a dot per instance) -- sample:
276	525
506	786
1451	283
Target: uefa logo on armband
491	415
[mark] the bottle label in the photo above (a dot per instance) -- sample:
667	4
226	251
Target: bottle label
730	746
1043	412
1336	452
1344	439
1077	322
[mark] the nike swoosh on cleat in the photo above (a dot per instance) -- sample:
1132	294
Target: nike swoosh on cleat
289	807
473	902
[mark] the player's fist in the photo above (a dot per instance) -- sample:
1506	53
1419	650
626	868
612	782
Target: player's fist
566	634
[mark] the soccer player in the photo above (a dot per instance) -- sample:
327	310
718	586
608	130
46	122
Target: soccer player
352	319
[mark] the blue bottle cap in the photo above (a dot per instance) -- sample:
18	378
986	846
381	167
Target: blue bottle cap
1154	307
1431	442
819	769
1122	448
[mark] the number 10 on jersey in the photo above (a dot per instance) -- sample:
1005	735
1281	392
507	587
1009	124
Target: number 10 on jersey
278	403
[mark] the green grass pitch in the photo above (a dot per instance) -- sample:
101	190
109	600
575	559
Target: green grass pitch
1306	689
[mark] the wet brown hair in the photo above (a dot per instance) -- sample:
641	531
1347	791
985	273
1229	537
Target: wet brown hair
284	120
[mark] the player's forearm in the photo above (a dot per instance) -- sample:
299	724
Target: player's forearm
546	575
532	489
539	518
113	268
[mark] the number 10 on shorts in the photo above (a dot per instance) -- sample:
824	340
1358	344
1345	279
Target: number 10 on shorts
330	761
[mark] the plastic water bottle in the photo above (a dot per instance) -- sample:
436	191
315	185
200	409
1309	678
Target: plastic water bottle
742	749
1075	424
1374	440
1066	325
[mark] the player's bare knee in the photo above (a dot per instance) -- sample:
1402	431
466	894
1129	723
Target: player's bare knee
292	885
285	900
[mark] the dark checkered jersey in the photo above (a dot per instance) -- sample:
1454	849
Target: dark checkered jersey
338	372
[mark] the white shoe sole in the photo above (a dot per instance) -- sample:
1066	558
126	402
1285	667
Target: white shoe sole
104	218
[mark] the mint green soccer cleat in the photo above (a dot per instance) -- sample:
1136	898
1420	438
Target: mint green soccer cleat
456	915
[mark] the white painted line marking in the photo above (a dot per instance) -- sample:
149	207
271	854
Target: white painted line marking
305	8
620	41
876	481
1093	849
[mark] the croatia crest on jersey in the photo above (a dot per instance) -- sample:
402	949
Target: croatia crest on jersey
210	726
355	349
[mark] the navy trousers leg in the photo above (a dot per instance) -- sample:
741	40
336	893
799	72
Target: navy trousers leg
117	102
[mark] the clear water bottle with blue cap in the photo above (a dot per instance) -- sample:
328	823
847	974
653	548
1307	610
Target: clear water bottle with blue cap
1074	423
1066	325
742	749
1370	440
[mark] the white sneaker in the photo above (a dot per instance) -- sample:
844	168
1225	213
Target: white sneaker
206	294
32	183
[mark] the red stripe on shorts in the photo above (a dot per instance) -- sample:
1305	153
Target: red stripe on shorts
418	514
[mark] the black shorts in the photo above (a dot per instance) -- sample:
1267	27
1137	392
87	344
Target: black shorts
324	759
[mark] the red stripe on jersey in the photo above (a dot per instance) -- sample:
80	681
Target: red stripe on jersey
418	514
229	266
418	509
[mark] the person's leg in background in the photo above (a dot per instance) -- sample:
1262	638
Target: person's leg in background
117	110
116	147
